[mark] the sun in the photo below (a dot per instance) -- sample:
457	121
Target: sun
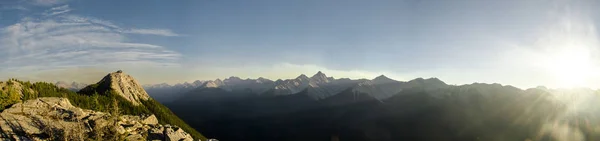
571	67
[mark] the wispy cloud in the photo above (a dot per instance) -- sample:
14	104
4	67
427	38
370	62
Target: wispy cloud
57	10
14	7
64	7
59	40
160	32
47	2
89	20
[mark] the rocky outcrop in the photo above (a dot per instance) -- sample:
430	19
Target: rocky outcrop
12	86
122	84
54	118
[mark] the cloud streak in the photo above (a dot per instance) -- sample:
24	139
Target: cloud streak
160	32
59	40
14	7
57	10
47	2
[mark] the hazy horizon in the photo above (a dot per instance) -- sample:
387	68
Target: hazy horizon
552	43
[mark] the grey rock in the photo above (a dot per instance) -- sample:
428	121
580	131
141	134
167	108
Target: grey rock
177	134
135	137
125	86
50	115
150	120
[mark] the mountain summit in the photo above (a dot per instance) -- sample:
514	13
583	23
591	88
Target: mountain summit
121	84
382	79
320	77
302	77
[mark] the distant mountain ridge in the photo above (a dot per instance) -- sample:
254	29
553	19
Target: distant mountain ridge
317	86
384	109
73	86
319	106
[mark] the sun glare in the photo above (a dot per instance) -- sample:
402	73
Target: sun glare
571	67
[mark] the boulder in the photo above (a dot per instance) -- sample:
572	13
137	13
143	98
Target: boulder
121	130
156	133
150	120
177	134
135	137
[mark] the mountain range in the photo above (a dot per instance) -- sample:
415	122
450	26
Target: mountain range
382	109
318	86
73	86
324	108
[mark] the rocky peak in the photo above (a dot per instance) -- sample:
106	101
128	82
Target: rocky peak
232	79
179	85
302	77
218	81
430	82
162	85
213	83
197	83
435	82
263	80
187	84
330	79
417	80
320	77
122	84
382	79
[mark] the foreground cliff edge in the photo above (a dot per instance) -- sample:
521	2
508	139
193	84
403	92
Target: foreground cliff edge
115	108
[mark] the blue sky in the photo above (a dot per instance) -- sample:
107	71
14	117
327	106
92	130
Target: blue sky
511	42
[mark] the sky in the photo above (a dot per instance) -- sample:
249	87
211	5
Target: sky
513	42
